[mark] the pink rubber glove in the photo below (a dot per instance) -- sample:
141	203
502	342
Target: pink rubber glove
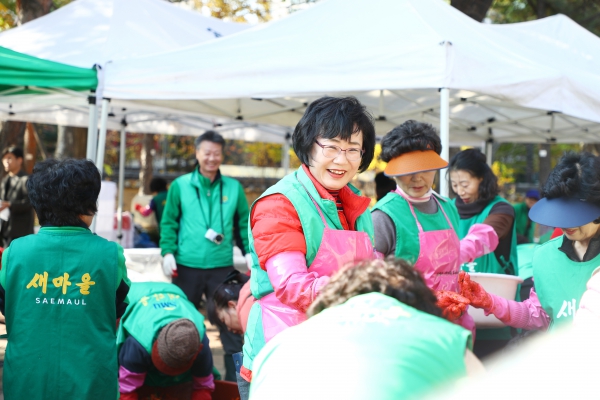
453	305
204	383
480	240
294	285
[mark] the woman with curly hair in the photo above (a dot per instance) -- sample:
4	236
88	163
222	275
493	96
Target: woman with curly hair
374	332
415	223
562	266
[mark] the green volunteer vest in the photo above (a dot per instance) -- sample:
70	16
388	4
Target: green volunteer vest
407	232
294	187
559	281
153	305
521	220
61	316
490	264
370	347
312	225
160	200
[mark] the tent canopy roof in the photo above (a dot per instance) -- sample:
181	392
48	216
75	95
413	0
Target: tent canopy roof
19	70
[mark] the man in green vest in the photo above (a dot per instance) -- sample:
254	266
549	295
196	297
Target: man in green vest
205	214
162	342
62	291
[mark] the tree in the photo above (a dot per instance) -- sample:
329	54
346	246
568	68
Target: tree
234	10
476	9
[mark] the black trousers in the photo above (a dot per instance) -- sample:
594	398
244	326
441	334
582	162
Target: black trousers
196	282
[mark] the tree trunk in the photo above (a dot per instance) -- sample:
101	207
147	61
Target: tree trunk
476	9
71	142
28	10
545	163
146	157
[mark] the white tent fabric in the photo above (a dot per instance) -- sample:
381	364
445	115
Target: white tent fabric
392	54
88	32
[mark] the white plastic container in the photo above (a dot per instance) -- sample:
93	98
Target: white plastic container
145	265
499	284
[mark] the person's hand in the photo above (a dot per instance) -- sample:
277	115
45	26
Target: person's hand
453	305
201	394
474	292
169	265
138	207
249	261
4	205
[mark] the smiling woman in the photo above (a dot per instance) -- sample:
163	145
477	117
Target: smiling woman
311	218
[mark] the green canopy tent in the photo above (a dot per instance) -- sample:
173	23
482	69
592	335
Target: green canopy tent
28	78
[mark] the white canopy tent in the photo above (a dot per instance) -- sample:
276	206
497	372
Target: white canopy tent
394	55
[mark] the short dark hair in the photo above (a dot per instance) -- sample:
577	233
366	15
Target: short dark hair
575	175
14	150
330	118
227	291
473	161
383	185
410	136
393	277
210	136
158	185
61	191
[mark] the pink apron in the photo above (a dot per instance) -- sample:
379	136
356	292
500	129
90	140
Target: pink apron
438	260
338	247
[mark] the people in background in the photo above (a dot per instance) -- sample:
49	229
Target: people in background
478	201
205	214
16	212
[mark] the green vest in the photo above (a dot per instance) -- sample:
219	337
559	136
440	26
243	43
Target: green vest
521	221
293	187
407	232
559	281
152	305
370	347
61	316
490	264
195	204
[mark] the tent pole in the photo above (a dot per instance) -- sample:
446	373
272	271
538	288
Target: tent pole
121	182
444	136
92	135
488	151
102	135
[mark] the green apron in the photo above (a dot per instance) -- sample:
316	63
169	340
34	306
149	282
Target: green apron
153	305
407	233
370	347
61	316
490	264
559	281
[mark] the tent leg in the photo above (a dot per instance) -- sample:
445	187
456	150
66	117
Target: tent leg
101	145
121	183
488	151
92	135
444	136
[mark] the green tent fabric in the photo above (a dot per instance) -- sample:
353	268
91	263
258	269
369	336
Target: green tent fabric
18	69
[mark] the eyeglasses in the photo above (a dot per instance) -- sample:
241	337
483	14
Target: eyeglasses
330	151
